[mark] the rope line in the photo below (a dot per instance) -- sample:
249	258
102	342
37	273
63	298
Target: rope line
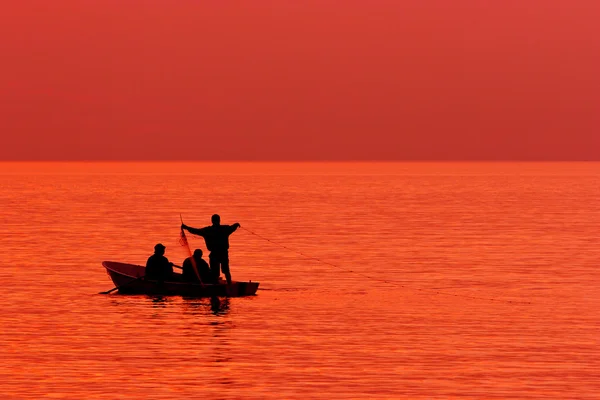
387	281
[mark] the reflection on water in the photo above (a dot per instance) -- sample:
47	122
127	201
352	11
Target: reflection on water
159	301
520	232
218	306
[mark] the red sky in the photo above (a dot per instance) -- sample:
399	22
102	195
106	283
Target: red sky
300	80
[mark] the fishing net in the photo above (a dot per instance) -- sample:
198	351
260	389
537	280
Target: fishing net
184	243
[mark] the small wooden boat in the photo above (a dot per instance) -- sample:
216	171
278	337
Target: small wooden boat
129	279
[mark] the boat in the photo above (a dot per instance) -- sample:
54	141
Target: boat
130	279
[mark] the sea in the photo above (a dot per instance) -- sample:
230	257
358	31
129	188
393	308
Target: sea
416	280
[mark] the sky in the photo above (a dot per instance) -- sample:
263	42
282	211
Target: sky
300	80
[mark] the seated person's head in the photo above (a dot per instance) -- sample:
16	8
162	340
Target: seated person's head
159	249
197	253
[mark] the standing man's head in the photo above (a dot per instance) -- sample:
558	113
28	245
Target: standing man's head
197	253
159	249
216	220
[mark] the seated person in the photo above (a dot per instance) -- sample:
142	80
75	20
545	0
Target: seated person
189	275
158	266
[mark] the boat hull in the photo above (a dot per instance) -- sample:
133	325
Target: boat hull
129	279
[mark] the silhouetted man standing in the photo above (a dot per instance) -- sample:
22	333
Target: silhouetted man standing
216	238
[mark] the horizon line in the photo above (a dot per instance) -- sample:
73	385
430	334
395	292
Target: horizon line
296	161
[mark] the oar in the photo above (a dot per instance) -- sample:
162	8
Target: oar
118	287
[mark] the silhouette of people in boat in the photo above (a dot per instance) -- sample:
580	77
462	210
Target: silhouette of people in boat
216	237
158	267
189	275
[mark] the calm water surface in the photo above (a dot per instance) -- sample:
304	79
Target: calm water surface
448	281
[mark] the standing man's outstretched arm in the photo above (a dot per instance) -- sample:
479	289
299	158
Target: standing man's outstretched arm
194	231
234	227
